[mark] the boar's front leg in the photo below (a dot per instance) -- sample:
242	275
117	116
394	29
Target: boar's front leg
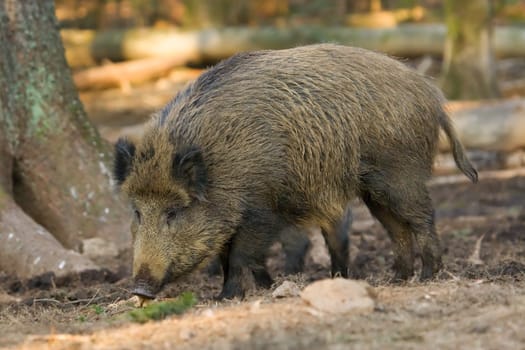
337	241
247	253
225	260
295	243
405	210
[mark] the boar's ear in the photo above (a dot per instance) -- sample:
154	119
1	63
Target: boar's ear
188	166
124	154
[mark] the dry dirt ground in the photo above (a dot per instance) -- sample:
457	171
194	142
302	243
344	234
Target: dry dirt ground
478	301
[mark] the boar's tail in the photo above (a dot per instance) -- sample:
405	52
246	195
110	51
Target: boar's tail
462	162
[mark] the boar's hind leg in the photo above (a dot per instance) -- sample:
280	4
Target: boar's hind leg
430	246
407	213
247	253
401	236
336	238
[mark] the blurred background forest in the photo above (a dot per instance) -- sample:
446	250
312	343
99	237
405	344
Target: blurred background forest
129	57
106	14
200	32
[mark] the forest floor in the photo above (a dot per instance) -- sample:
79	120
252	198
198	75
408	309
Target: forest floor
477	301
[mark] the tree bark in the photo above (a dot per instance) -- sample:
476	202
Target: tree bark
56	184
28	249
468	67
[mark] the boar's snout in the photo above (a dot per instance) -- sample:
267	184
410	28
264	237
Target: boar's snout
144	290
144	285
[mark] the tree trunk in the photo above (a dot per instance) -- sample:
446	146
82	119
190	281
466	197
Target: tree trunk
55	180
468	67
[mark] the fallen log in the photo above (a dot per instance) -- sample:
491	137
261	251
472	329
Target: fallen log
211	45
490	126
124	73
483	160
215	44
513	88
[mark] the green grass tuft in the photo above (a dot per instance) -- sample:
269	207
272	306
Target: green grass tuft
161	310
98	309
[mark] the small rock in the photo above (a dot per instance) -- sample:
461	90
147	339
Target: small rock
424	309
339	295
208	313
286	289
97	247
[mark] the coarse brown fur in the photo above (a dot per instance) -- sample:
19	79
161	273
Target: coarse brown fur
269	139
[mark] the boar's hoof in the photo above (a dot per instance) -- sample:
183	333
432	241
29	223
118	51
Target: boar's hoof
230	292
262	278
429	270
402	274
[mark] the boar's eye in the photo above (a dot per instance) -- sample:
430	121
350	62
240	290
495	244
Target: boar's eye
171	214
137	215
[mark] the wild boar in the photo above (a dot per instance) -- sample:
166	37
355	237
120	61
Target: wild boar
268	139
